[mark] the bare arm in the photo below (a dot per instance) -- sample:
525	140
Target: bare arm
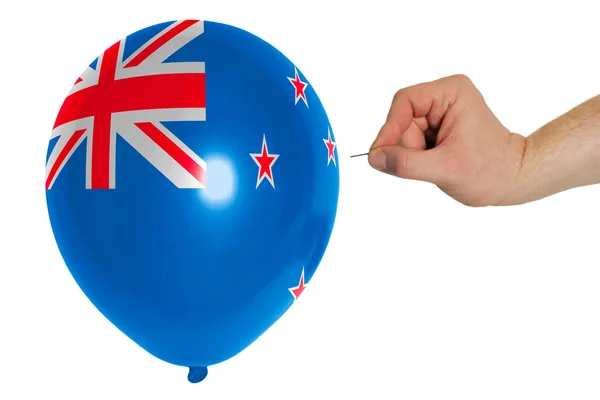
561	155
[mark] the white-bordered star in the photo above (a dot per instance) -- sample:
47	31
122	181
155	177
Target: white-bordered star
265	162
299	87
330	148
297	290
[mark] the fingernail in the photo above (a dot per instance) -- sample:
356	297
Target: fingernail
377	160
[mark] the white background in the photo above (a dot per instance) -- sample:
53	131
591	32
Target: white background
417	297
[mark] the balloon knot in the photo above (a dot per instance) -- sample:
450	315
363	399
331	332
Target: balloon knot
197	374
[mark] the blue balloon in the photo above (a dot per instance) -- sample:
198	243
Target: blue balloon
192	185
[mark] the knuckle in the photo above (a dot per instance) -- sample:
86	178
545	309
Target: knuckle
399	94
403	165
462	79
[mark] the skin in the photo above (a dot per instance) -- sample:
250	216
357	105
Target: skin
444	133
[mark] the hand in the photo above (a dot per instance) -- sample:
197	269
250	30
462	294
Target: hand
443	132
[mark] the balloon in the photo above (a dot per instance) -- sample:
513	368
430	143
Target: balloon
192	185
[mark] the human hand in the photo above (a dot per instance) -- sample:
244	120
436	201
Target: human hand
443	132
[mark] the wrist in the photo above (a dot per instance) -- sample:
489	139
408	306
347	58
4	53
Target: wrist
549	166
517	187
561	155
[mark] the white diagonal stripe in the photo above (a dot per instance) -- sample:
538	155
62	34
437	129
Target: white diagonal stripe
65	132
153	64
162	161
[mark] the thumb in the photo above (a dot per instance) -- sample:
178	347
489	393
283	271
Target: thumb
410	163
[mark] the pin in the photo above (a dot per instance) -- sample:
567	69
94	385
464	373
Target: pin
359	155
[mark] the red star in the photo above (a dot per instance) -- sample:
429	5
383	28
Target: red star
297	291
299	86
265	162
330	148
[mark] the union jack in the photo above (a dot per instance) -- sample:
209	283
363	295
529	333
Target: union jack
130	97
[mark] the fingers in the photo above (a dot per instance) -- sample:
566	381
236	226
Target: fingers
422	105
410	163
413	137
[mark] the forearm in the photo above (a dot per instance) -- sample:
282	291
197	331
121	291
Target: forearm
563	154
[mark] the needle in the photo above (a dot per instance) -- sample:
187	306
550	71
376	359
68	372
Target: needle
359	155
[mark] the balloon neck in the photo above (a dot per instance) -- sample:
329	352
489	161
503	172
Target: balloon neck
197	374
